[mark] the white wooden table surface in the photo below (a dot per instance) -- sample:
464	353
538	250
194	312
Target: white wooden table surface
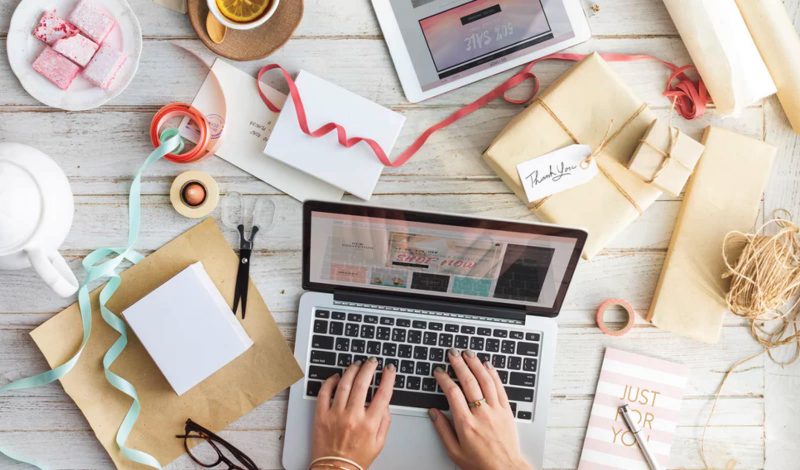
758	418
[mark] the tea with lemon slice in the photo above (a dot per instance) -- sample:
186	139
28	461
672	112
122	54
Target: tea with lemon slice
243	11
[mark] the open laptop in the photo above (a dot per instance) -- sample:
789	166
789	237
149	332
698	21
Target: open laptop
405	286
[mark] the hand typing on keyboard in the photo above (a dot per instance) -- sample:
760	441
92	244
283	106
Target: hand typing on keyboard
482	434
346	430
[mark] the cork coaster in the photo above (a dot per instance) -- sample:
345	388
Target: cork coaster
253	44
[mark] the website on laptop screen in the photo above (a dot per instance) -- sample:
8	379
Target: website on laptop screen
445	260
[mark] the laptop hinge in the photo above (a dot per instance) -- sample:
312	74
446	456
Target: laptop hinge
451	308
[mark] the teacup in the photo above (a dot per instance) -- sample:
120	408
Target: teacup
214	9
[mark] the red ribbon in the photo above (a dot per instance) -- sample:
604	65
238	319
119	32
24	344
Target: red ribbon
690	98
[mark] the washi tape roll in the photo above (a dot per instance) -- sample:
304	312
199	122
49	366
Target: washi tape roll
601	312
194	194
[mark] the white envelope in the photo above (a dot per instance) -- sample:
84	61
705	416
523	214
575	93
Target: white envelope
355	169
248	125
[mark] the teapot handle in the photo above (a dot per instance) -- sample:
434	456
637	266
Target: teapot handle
55	272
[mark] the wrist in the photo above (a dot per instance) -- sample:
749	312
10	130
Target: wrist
335	462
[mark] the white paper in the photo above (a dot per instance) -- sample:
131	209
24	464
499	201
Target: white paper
556	171
355	170
723	51
187	328
248	126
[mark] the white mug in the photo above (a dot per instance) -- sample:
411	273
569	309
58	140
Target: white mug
214	9
36	210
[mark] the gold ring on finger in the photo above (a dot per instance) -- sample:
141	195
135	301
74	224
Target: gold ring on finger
477	403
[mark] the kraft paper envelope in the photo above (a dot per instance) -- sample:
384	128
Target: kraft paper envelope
723	195
249	380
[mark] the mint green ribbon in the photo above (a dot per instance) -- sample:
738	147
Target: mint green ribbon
99	264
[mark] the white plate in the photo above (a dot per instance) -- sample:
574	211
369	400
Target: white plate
23	48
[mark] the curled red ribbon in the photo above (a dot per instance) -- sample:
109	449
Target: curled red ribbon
690	98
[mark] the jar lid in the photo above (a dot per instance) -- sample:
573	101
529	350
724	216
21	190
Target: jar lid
20	206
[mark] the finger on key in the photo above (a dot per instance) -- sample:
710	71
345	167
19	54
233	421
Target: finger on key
345	385
484	379
362	383
455	397
383	395
469	384
502	396
325	393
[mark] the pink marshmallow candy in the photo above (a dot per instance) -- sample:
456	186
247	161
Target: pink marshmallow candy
78	49
92	20
56	68
51	28
103	68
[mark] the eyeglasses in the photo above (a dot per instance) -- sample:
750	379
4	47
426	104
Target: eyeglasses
213	450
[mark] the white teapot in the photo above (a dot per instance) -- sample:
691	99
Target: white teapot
36	210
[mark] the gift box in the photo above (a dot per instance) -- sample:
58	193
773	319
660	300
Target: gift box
589	105
666	157
723	195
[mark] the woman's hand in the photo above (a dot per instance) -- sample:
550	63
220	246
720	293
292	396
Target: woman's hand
482	437
345	426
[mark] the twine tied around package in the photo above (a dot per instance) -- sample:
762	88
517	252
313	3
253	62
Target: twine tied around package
666	156
599	149
609	136
765	287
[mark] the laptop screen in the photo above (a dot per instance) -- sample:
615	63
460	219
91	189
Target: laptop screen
444	256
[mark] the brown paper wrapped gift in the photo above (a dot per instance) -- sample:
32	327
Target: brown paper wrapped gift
666	157
723	195
262	371
589	105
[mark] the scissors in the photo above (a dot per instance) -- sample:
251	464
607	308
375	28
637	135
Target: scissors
237	214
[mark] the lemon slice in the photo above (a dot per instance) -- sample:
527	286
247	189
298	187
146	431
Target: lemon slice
243	11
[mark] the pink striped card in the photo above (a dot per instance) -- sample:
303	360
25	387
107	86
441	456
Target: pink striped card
653	389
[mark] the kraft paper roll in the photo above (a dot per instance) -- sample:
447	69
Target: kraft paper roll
779	44
723	51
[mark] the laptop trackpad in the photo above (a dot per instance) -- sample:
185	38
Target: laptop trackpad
413	443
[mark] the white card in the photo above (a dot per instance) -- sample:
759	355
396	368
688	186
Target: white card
355	169
248	126
556	171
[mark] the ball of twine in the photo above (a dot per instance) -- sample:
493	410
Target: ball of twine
764	273
765	283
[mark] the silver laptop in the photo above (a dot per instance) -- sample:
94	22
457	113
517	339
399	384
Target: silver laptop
405	286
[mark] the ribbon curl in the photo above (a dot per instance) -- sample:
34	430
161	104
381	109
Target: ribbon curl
690	99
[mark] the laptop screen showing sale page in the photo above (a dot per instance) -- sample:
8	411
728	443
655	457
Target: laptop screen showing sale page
450	39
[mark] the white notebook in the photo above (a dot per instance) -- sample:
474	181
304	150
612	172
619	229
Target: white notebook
355	169
187	328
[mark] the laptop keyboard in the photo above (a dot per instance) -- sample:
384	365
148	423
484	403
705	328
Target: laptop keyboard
416	348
